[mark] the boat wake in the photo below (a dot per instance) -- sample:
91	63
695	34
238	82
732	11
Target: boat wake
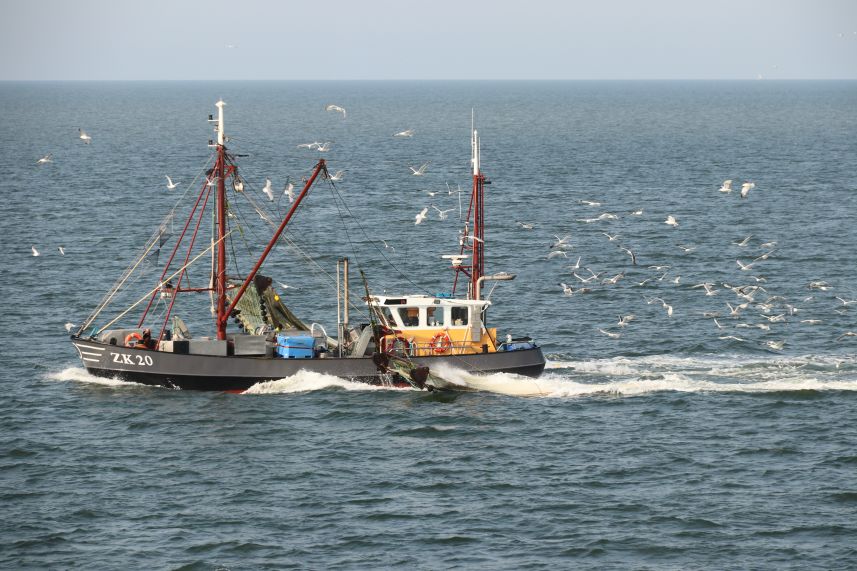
79	375
307	381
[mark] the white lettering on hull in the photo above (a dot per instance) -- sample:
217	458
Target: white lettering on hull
133	360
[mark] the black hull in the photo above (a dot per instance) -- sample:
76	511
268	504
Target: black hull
235	373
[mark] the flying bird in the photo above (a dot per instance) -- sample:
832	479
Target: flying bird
324	147
336	108
69	326
746	188
62	251
45	159
419	171
609	334
526	225
289	191
727	186
566	289
405	133
421	216
83	136
442	214
35	252
337	176
267	190
671	221
170	184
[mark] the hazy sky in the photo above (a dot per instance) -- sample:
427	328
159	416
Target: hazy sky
430	39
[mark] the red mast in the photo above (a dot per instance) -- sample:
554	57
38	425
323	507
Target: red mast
220	264
477	269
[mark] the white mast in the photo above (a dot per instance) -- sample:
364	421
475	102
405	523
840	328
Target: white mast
474	145
220	136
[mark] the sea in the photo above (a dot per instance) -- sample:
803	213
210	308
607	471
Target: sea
714	429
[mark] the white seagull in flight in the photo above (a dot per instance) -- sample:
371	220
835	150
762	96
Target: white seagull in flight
671	221
170	184
442	214
746	188
83	136
405	133
421	216
35	252
267	190
45	159
727	186
419	171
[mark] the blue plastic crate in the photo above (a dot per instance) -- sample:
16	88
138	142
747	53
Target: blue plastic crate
295	347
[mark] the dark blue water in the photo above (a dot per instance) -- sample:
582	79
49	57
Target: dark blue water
677	445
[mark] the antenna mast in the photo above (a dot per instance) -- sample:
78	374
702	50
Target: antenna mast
220	266
477	269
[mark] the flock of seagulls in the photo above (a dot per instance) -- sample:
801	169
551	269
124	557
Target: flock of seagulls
756	305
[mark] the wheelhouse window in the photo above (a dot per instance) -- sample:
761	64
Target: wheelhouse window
410	316
459	316
434	317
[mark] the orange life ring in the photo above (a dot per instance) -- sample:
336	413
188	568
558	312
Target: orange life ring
136	337
388	343
441	343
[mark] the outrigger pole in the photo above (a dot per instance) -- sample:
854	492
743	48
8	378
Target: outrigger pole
223	316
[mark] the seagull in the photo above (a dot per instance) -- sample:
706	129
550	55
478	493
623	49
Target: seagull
768	245
210	181
556	254
35	252
45	159
336	108
626	319
62	251
442	214
267	190
609	334
846	302
630	253
614	280
386	245
727	186
734	311
69	326
846	334
776	345
743	242
526	225
576	265
309	145
561	243
405	133
419	171
609	237
607	216
289	191
238	184
170	184
83	136
337	176
687	249
324	147
671	221
717	323
421	216
589	202
746	188
744	267
731	338
638	212
566	289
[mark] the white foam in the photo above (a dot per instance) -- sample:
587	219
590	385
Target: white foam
306	381
79	375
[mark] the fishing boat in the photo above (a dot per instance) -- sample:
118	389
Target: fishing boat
416	340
